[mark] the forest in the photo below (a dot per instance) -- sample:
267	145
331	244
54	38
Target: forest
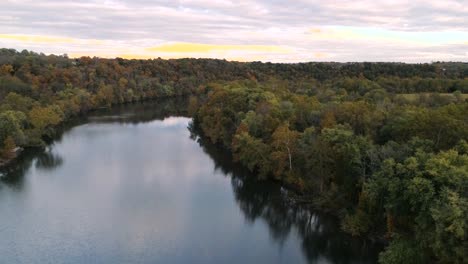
383	146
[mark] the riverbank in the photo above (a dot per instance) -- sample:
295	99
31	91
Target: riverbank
54	130
293	196
14	154
142	173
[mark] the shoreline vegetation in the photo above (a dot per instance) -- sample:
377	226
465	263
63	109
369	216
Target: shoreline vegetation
10	156
381	145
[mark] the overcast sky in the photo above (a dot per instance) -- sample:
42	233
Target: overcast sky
277	31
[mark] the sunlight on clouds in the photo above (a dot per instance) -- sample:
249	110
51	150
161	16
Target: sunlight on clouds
49	39
228	52
311	42
37	39
229	57
112	55
321	55
147	56
185	47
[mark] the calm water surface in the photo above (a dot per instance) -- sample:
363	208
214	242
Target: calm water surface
134	186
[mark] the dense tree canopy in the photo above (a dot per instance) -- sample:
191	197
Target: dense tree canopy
388	168
381	145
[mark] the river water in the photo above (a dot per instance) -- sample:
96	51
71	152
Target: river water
134	185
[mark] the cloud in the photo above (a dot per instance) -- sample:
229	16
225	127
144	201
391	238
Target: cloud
358	30
36	39
388	36
207	48
48	39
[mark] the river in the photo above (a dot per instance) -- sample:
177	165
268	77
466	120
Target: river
134	185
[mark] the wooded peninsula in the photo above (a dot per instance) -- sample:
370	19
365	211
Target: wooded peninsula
383	146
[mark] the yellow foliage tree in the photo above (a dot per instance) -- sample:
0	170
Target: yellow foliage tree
8	151
284	142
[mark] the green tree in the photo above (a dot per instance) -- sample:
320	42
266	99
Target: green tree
251	152
12	125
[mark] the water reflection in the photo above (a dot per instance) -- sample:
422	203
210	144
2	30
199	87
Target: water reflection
13	174
48	160
322	239
141	112
136	113
122	187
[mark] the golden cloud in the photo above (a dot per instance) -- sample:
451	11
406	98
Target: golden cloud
110	55
321	55
144	57
185	47
37	39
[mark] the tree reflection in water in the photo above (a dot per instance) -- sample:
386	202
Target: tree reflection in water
42	158
322	238
48	161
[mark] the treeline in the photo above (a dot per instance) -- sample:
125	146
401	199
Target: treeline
368	70
390	170
38	92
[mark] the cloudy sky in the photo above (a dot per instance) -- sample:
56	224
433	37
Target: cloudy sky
277	31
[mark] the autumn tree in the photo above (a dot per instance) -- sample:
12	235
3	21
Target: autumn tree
9	146
284	142
41	117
